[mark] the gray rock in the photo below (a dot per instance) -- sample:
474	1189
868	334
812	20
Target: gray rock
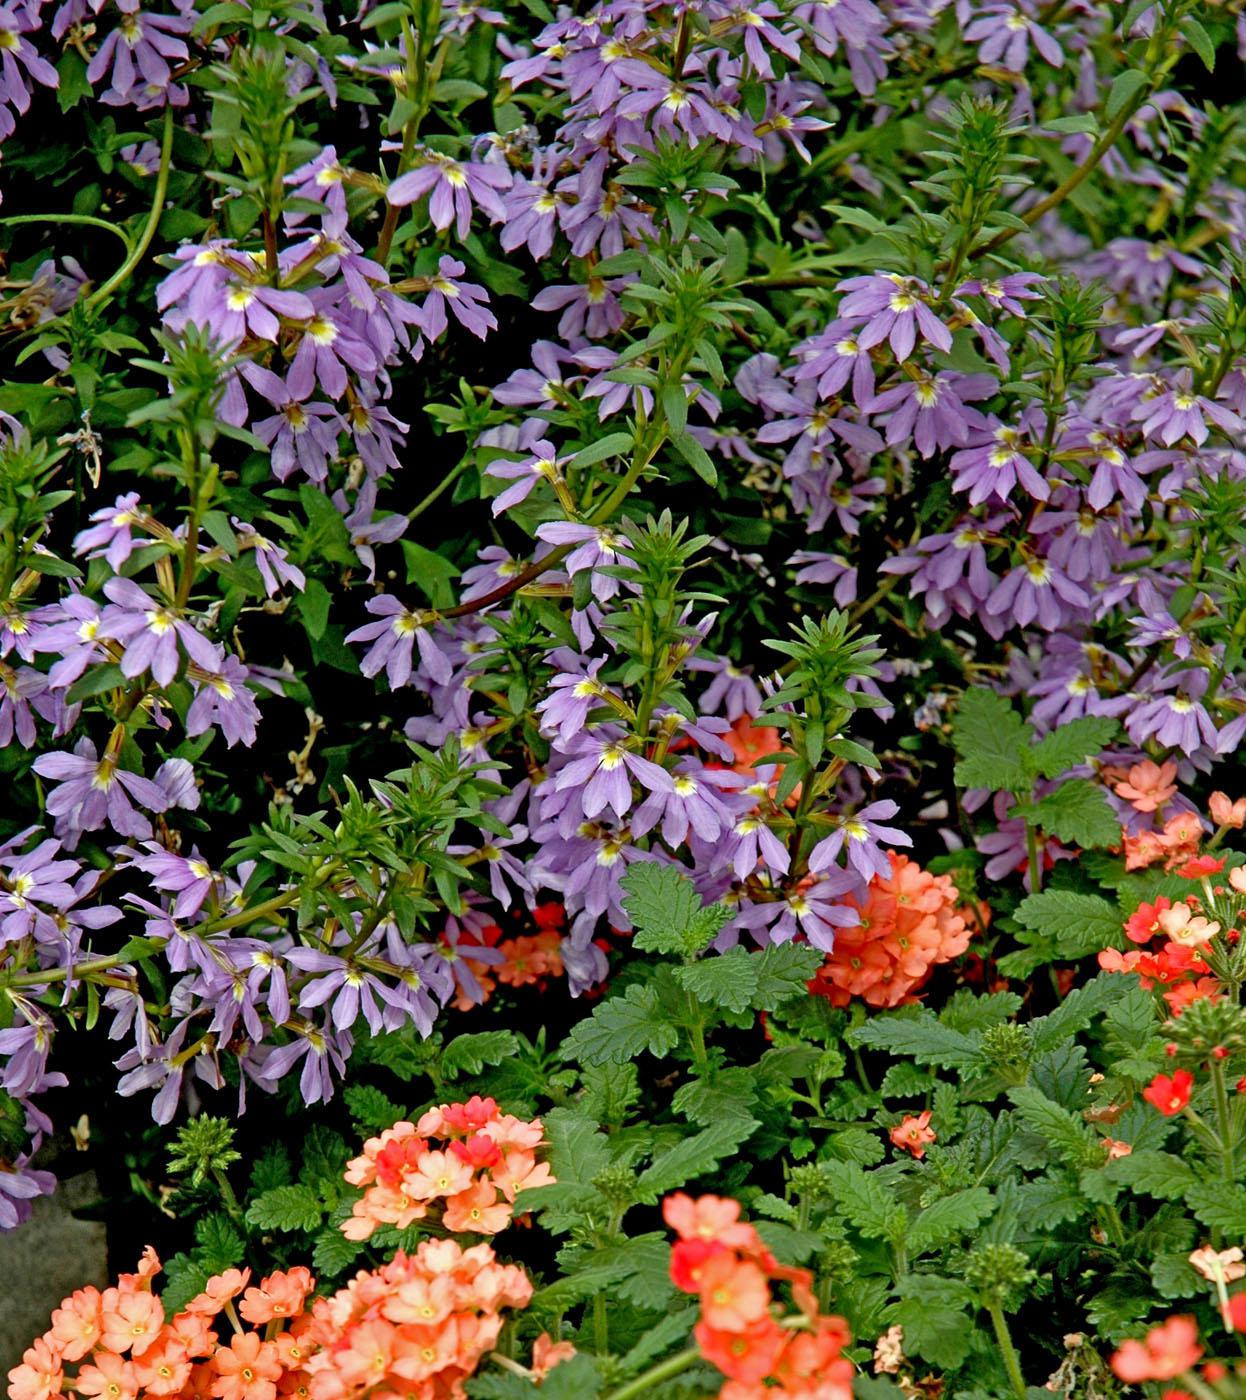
43	1261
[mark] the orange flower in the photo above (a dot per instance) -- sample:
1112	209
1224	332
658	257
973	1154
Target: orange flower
76	1323
1149	785
910	922
714	1218
1235	1313
129	1321
1227	813
110	1377
744	1353
164	1368
913	1133
688	1260
734	1292
547	1353
218	1291
477	1210
40	1376
1143	924
1117	1149
281	1295
246	1369
1169	1096
1165	1352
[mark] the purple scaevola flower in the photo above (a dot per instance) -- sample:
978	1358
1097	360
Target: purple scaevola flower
190	878
322	1054
150	631
111	535
467	300
453	188
895	309
600	770
860	836
95	791
393	639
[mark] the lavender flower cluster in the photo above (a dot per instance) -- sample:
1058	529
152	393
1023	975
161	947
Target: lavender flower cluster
1066	449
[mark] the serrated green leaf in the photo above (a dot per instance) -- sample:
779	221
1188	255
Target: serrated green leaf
1221	1206
333	1253
693	1157
1154	1174
949	1217
1071	744
668	913
921	1038
936	1315
783	973
1078	812
370	1109
1067	1136
863	1199
286	1208
469	1054
622	1028
1081	924
991	740
728	980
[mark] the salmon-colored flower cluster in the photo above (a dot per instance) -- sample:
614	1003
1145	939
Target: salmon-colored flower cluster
1173	843
415	1328
124	1347
721	1258
465	1159
1176	963
525	960
910	922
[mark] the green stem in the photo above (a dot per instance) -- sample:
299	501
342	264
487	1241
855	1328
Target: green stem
672	1366
1007	1351
88	220
1223	1121
448	480
1035	860
137	253
228	1197
601	1324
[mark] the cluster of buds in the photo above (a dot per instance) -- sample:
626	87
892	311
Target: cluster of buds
722	1260
465	1158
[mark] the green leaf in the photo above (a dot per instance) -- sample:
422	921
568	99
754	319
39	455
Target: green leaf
693	1157
949	1217
1221	1206
313	606
1067	1136
1081	924
991	740
1082	1005
783	972
936	1317
1153	1173
1125	87
622	1028
1078	812
333	1253
863	1199
184	1278
1071	744
1200	41
667	911
696	456
469	1054
725	979
921	1038
286	1208
370	1109
613	445
220	1244
432	573
1083	124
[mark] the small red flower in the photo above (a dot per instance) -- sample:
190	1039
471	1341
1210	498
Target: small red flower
1200	866
913	1133
1169	1096
1167	1350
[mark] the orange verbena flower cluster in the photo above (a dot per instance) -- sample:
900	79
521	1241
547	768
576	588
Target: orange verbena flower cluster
722	1259
1173	843
415	1328
124	1347
910	922
466	1158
